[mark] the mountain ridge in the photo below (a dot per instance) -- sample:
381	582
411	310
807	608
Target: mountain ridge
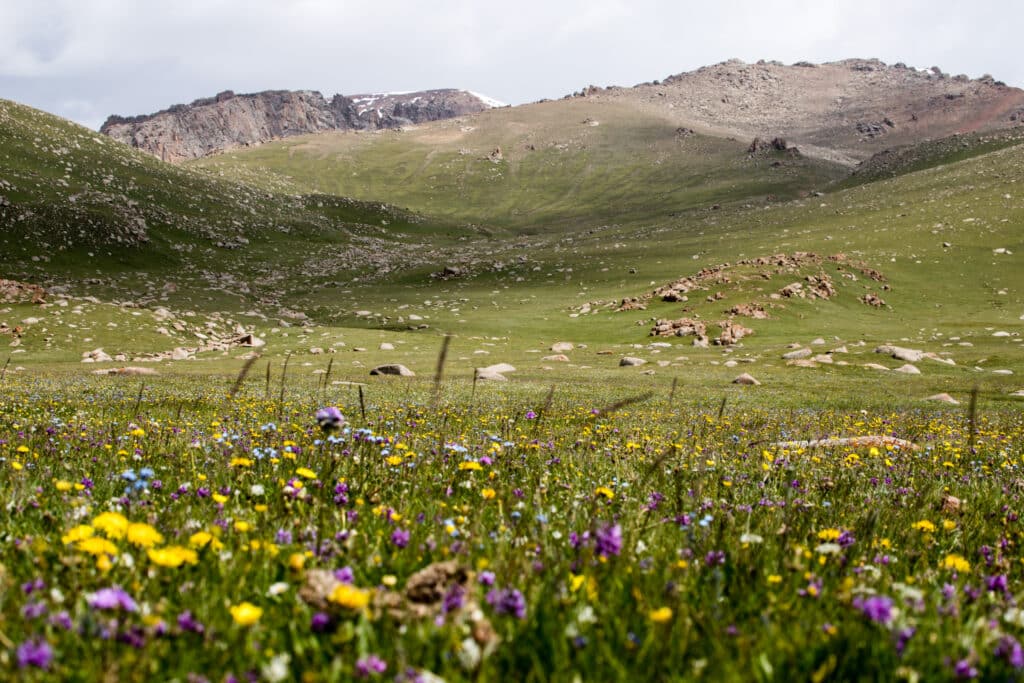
229	120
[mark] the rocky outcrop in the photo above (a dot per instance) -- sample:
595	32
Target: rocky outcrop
226	121
845	111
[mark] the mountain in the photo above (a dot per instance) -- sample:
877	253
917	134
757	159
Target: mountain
226	121
845	111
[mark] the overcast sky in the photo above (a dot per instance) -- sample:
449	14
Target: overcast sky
85	59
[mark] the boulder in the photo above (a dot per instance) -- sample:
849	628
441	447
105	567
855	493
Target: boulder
900	353
386	346
498	368
630	361
558	357
908	369
796	355
562	347
393	369
484	374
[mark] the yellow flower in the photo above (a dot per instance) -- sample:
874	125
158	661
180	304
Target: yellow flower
472	465
957	563
393	460
576	581
246	613
925	526
143	535
63	486
774	578
200	539
306	473
219	498
113	524
22	449
172	556
948	524
138	431
77	533
17	465
349	596
488	494
242	527
296	561
604	491
660	615
97	546
240	462
829	534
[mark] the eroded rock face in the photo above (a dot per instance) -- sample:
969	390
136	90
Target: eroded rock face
226	121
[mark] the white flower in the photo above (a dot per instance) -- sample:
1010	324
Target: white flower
751	538
277	589
256	490
276	670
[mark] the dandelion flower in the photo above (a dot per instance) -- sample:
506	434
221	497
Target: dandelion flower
246	613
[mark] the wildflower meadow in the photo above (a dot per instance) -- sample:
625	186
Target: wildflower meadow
414	535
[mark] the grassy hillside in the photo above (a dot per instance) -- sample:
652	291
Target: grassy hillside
561	164
361	273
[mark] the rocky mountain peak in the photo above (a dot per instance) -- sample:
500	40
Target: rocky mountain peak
229	120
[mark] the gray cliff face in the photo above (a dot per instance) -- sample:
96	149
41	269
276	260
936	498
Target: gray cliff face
215	124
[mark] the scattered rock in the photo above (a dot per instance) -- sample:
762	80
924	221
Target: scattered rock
498	367
487	375
908	369
558	357
875	366
393	369
562	347
386	346
900	353
944	398
630	361
795	355
128	371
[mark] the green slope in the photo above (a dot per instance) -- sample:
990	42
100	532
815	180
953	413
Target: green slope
561	164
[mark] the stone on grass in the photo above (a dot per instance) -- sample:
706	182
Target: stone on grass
562	347
875	366
498	367
558	357
488	375
630	361
393	369
746	379
908	369
387	346
799	353
944	398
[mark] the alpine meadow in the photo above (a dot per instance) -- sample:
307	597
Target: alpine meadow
716	377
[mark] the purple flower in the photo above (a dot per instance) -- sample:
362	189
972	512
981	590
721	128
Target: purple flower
715	557
903	637
609	540
112	598
283	537
1010	648
329	419
371	665
453	599
400	537
62	619
997	583
507	601
319	622
36	652
846	539
33	610
963	669
186	622
345	575
486	578
530	415
877	608
33	586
